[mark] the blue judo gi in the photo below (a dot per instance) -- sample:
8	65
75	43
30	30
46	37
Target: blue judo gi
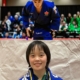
31	76
45	21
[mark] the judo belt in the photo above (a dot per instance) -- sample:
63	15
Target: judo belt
44	26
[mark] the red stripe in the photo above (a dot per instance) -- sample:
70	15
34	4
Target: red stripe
3	2
32	39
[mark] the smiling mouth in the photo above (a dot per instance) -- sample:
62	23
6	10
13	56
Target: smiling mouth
37	64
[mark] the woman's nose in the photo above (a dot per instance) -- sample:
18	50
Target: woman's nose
37	58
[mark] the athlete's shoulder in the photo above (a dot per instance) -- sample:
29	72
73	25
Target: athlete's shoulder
25	77
53	76
29	2
56	77
49	3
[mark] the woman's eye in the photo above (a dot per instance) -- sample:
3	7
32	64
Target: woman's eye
32	55
41	55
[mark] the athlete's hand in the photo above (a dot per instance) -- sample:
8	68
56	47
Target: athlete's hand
28	30
53	33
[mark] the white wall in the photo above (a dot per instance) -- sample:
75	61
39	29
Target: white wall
67	2
0	2
57	2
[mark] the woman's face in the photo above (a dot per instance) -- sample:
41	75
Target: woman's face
37	59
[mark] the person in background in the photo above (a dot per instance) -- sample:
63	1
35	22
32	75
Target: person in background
15	23
10	17
8	22
18	33
63	17
45	17
4	28
7	35
19	16
78	18
63	29
78	14
74	29
74	18
68	19
38	57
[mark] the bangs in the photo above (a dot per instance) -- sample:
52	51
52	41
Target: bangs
39	47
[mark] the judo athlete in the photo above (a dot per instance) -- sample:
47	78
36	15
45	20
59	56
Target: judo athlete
41	17
38	57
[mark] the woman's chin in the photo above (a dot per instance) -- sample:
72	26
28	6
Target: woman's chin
37	68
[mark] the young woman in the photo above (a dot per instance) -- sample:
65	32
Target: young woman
38	57
44	16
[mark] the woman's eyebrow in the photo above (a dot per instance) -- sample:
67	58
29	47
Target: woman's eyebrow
42	52
31	53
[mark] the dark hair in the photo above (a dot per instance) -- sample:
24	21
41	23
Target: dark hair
43	46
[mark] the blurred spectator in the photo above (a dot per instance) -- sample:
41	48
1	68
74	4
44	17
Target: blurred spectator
21	25
18	33
63	17
78	18
8	22
63	26
78	14
10	17
63	29
15	23
69	17
7	35
19	16
74	28
74	18
4	27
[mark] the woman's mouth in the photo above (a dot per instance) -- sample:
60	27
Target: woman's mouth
37	64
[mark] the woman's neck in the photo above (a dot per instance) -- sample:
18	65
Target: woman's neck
40	73
38	5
